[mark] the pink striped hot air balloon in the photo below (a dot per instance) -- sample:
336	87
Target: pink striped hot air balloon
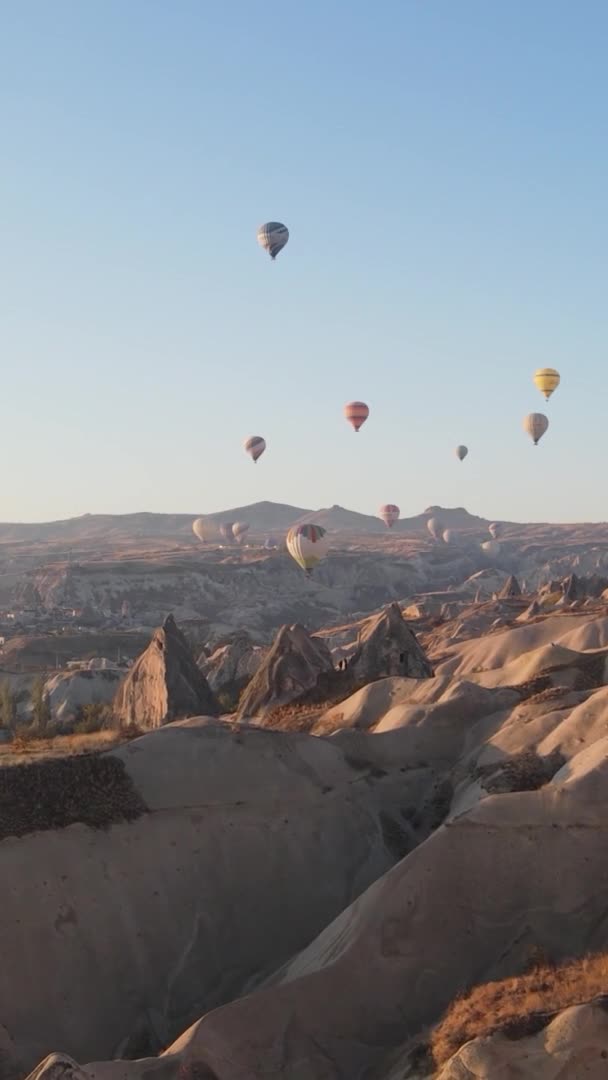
389	514
255	446
356	412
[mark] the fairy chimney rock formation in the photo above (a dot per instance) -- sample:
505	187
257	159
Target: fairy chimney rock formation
387	646
232	665
292	669
164	684
510	589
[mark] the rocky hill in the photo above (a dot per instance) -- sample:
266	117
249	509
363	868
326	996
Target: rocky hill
325	900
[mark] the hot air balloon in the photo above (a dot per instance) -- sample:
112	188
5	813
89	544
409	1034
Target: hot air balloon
198	528
546	380
449	536
226	529
272	237
491	547
356	412
535	424
389	514
461	452
495	530
307	544
435	527
239	530
255	446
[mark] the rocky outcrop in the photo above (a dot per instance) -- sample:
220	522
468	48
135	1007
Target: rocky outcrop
213	856
387	646
510	589
573	1043
164	684
232	665
572	589
295	666
70	691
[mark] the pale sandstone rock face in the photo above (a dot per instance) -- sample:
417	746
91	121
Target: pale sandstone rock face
574	1044
233	665
387	646
502	788
164	684
292	669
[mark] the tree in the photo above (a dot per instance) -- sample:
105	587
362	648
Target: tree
41	706
8	706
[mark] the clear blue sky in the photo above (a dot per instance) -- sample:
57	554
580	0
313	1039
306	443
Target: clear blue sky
442	166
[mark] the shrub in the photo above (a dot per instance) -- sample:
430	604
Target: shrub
519	1005
92	717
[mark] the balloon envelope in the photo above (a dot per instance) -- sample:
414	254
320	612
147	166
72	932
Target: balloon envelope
356	412
272	237
461	452
198	528
495	530
546	380
491	547
535	424
239	530
449	536
308	545
255	446
226	529
389	513
435	527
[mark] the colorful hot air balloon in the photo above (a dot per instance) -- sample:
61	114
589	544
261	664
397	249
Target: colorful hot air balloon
356	412
226	529
272	237
240	530
546	380
255	446
491	547
535	425
307	544
461	452
435	527
198	528
495	530
389	514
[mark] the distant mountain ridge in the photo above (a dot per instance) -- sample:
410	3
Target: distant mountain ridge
267	518
263	517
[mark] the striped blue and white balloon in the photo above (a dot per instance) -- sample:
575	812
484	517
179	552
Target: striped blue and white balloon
272	237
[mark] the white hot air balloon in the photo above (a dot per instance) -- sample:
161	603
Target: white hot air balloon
495	530
198	528
461	452
535	425
491	548
240	530
449	536
272	237
435	528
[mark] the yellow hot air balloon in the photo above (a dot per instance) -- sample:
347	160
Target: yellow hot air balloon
308	544
546	380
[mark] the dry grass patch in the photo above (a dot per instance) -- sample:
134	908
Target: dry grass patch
27	747
519	1005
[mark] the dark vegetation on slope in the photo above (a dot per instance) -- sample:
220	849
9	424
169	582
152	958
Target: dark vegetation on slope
91	789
